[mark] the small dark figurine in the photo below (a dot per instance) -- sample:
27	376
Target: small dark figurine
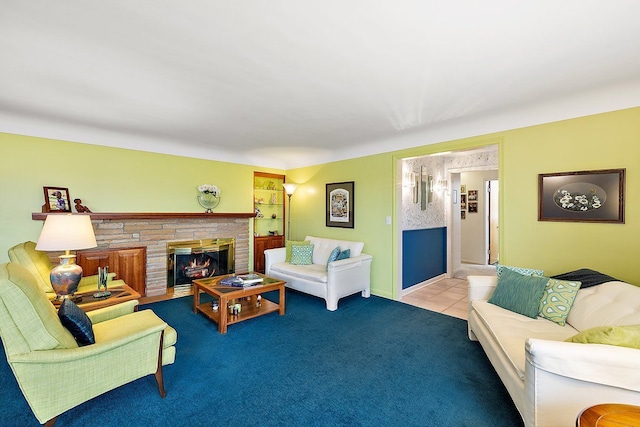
79	207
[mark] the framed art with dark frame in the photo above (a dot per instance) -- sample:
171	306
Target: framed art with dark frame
339	204
584	196
56	199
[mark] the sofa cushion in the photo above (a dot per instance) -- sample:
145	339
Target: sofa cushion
344	254
519	293
510	331
333	255
521	270
301	254
77	322
323	248
314	272
288	244
611	303
623	336
557	299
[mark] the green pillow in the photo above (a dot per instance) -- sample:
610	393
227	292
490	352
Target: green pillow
301	254
287	245
557	299
519	293
522	270
623	336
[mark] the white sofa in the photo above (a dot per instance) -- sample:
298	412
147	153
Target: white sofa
551	381
331	282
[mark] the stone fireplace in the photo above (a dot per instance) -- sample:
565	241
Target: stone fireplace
154	230
198	259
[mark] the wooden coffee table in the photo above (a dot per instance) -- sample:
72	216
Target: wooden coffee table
87	302
246	297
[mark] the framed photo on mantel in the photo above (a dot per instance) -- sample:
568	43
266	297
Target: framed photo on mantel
584	196
339	204
56	199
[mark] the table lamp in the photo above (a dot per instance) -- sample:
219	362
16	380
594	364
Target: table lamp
65	233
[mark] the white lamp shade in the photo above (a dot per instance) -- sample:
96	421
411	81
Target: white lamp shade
290	188
66	232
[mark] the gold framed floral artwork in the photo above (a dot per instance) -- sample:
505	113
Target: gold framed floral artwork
583	196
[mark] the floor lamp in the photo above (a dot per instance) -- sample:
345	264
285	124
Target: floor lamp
289	188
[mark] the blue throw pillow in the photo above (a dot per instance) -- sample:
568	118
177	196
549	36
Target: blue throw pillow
77	322
519	293
333	255
344	254
301	254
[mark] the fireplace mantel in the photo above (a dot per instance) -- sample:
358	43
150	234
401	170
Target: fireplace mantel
149	215
154	229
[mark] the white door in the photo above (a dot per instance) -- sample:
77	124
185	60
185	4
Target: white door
494	238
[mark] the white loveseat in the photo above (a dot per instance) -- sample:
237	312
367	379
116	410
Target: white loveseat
551	381
333	281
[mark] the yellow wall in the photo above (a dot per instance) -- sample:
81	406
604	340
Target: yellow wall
107	180
116	180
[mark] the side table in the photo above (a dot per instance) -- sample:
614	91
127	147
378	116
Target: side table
609	415
87	302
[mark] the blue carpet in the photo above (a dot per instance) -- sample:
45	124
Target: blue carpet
372	362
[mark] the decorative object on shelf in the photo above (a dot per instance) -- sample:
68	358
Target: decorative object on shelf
103	274
66	233
584	196
259	213
290	188
274	216
339	204
80	208
274	198
208	197
56	199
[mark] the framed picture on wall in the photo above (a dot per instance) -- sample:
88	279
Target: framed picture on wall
463	201
463	188
463	214
473	207
584	196
339	204
473	195
56	199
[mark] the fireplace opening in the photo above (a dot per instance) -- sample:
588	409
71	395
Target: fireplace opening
199	259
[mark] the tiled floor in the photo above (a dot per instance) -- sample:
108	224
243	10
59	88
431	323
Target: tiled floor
448	296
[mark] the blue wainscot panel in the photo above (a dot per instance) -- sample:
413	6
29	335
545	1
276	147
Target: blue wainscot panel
424	255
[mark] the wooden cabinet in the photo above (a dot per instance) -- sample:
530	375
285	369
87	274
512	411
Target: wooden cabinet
269	223
261	244
129	264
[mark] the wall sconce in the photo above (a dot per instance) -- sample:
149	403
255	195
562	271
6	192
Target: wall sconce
441	185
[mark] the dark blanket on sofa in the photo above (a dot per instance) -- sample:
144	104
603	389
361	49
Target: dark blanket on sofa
585	276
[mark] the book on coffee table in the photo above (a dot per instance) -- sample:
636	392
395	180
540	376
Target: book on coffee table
242	280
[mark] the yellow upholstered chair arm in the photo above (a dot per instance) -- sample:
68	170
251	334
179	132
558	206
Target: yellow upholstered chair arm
113	311
120	332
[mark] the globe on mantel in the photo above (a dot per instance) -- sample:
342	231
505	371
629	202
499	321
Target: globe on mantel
208	197
208	201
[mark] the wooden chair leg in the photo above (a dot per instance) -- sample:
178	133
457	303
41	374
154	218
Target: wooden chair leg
51	422
158	374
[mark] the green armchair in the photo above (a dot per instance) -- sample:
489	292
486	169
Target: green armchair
47	361
39	265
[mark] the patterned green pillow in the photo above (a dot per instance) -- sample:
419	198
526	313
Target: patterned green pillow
287	257
521	270
301	254
557	299
519	293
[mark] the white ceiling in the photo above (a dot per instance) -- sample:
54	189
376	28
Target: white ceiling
289	83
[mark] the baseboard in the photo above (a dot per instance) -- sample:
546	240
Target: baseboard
423	284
